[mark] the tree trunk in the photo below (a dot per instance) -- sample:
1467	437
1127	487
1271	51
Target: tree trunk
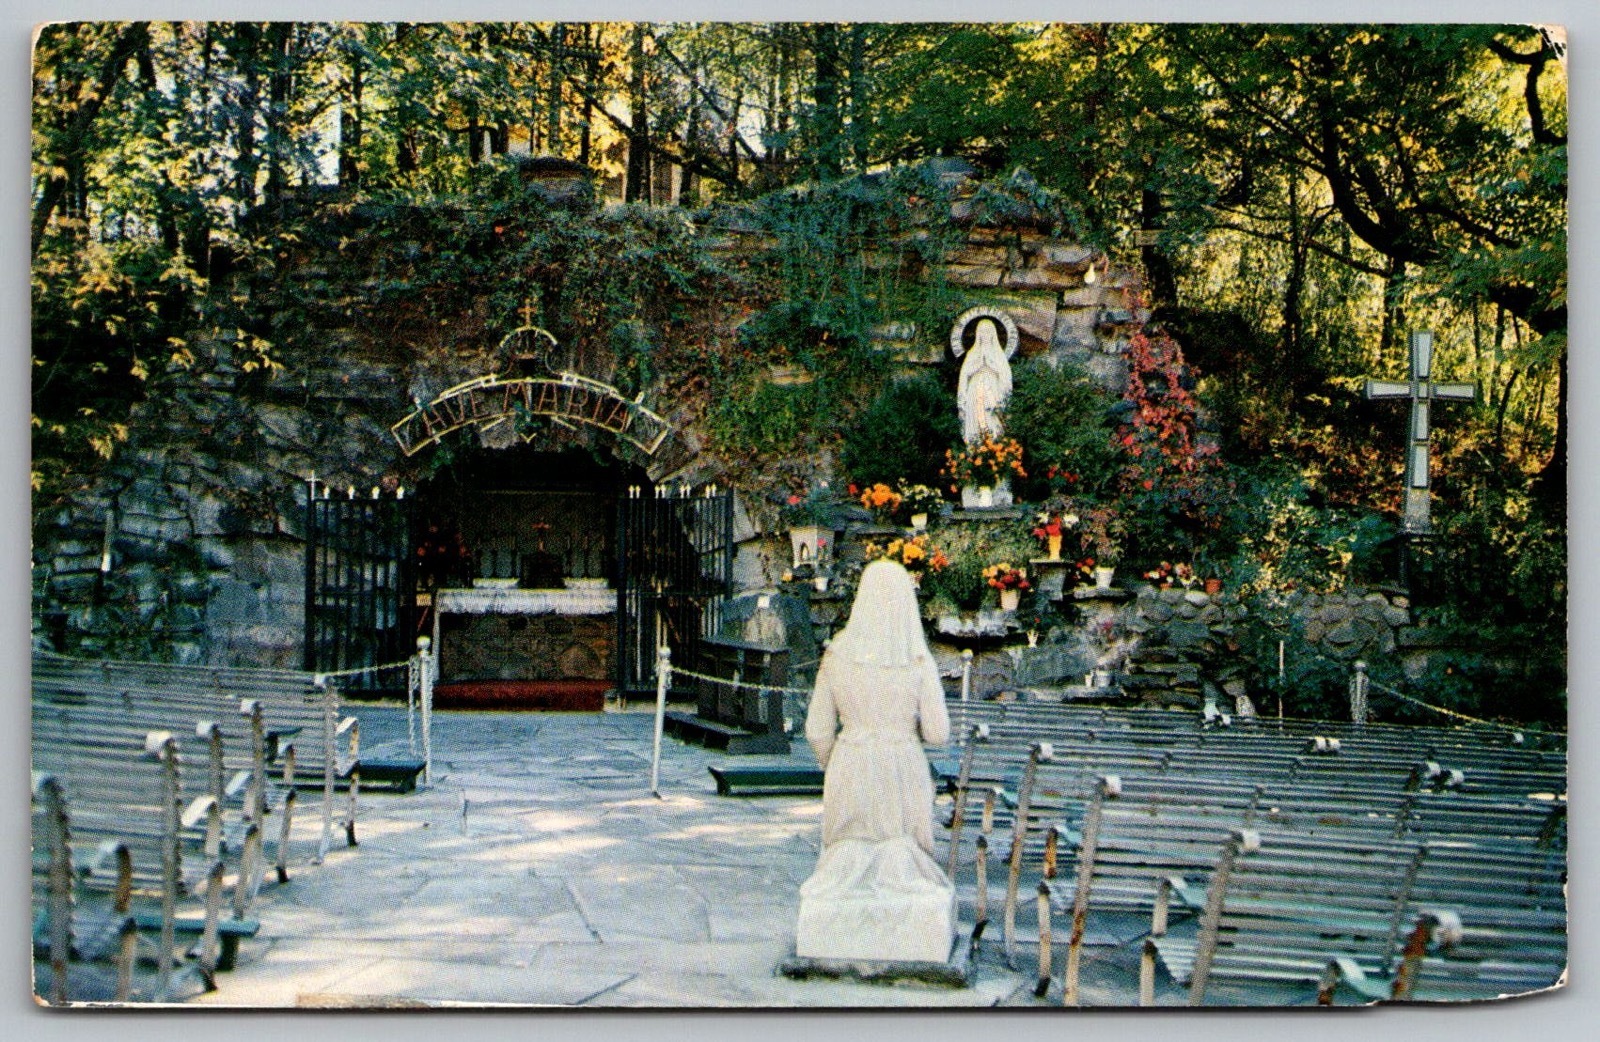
586	132
859	113
133	38
247	48
350	129
279	39
552	108
828	146
638	186
1163	283
1394	313
1550	487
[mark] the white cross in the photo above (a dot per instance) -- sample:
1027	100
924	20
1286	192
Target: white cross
1421	391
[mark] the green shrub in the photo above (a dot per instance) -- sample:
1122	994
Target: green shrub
1065	424
903	434
767	420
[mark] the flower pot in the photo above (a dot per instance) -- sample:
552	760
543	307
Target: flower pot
919	522
1010	599
985	497
1033	638
805	540
1102	577
1054	543
1213	586
821	583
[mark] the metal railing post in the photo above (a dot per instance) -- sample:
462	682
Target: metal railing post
1359	684
663	681
425	671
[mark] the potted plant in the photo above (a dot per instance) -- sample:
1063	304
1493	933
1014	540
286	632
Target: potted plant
982	465
1102	535
1049	528
1010	581
919	501
882	502
809	519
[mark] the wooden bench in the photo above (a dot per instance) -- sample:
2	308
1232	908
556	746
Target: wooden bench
129	797
235	756
1278	907
300	711
67	928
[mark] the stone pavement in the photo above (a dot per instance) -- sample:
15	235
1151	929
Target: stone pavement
539	870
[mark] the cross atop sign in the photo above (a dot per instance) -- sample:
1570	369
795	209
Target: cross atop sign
1421	391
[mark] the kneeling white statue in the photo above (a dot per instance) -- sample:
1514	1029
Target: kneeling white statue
877	893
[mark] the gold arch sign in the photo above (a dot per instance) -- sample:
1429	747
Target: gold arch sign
489	401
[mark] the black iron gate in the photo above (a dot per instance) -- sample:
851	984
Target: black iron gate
360	583
675	568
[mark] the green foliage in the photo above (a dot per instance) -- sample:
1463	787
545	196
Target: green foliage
971	548
765	419
902	435
1066	426
1311	686
1288	539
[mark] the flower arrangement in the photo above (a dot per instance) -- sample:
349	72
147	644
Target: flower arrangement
1166	573
881	500
1085	568
816	507
914	553
1050	524
442	555
985	462
920	499
1004	576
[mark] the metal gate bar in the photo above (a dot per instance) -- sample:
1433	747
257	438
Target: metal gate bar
360	582
675	569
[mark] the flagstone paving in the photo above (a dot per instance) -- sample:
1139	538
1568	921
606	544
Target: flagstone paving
538	869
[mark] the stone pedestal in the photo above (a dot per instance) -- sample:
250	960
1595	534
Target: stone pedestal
973	496
1051	573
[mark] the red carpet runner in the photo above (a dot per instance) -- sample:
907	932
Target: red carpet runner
583	696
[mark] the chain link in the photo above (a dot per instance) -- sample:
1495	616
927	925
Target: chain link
675	671
358	670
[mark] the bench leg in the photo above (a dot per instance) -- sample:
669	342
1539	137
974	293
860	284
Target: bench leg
128	944
228	957
983	879
208	935
244	887
283	837
1046	949
350	813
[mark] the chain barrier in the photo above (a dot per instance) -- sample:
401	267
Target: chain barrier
1452	713
358	670
1385	689
675	671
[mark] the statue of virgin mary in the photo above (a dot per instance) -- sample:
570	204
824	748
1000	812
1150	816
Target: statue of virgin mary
985	384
